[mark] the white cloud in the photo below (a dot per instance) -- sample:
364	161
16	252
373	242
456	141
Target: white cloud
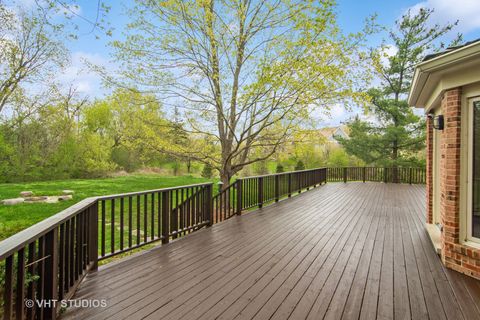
448	11
77	73
336	115
386	52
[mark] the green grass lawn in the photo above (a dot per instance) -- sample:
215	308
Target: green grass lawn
18	217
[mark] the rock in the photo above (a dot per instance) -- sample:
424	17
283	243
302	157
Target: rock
65	198
36	199
25	194
11	202
51	200
68	192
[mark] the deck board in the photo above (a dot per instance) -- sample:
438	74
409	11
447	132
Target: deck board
340	251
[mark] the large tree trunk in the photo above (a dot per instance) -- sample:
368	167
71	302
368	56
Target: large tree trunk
394	158
226	174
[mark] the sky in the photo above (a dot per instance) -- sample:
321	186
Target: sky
351	16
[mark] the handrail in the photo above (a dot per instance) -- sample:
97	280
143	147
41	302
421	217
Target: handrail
24	237
60	250
140	193
410	175
39	229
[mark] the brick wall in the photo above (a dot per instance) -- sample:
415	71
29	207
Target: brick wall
429	171
456	256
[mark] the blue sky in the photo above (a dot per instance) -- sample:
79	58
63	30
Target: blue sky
351	16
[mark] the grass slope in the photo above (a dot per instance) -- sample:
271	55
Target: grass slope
16	218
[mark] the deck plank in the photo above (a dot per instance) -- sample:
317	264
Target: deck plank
341	251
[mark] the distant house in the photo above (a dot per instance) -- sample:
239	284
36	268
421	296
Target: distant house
332	133
447	86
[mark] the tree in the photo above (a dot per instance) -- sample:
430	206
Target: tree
124	121
397	134
280	168
207	171
29	51
246	73
299	166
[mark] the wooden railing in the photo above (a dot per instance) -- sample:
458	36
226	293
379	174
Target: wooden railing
131	220
252	192
45	263
386	175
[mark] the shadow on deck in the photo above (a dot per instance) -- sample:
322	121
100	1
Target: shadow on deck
341	251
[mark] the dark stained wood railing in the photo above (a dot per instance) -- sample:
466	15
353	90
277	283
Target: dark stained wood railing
255	192
131	220
225	203
375	174
45	263
259	190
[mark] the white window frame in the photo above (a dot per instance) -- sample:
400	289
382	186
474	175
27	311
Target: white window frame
469	174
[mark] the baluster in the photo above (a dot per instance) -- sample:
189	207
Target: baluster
112	226
130	221
93	243
165	220
8	289
277	188
145	218
138	219
239	185
103	240
50	272
260	192
122	207
152	218
20	292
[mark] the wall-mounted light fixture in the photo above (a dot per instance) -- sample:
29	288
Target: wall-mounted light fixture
438	122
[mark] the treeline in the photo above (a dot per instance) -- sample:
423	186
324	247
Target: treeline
76	139
126	131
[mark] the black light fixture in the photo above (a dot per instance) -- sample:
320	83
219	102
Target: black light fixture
438	122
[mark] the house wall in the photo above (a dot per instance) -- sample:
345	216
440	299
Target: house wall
457	252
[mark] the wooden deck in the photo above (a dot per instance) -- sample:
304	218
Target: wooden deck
341	251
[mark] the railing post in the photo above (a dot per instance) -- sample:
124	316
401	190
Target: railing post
345	175
165	218
50	291
307	179
208	206
277	187
385	178
289	185
410	175
260	192
364	174
239	185
93	241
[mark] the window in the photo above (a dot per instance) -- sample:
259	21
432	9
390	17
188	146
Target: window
476	170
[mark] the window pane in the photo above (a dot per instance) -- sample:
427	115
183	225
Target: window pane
476	170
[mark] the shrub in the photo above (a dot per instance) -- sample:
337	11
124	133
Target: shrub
299	166
207	171
280	168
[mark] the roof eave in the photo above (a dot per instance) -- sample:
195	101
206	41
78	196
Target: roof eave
424	69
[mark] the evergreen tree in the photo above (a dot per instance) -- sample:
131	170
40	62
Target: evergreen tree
207	171
280	168
299	166
397	135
